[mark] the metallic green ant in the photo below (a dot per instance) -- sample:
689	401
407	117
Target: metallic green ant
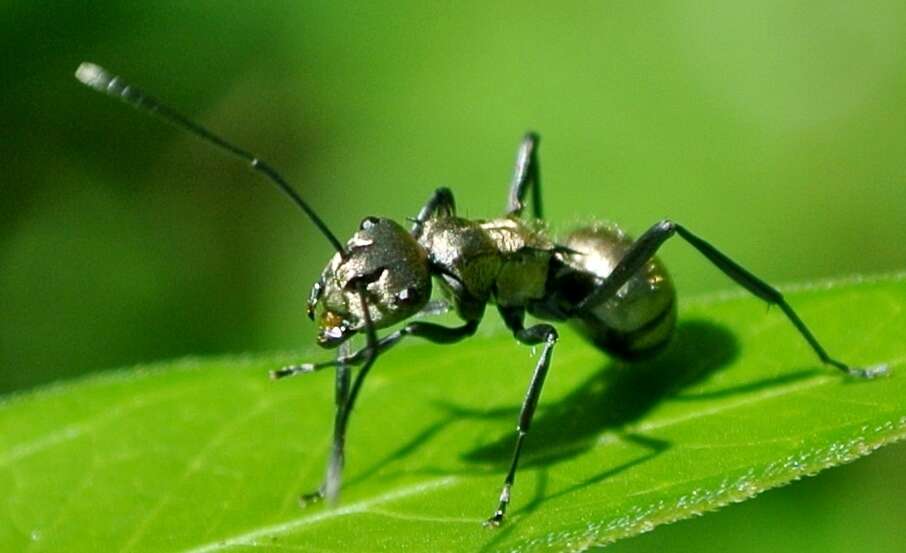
610	287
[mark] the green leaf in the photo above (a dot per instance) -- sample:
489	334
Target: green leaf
209	455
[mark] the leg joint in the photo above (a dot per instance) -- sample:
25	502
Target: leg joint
666	225
537	334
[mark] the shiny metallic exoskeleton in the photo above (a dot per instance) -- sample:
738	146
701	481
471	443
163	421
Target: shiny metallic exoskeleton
607	285
639	319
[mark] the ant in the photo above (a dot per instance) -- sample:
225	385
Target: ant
610	287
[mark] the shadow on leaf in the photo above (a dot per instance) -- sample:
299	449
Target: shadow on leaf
612	398
618	394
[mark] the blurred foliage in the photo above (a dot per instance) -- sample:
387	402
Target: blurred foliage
775	130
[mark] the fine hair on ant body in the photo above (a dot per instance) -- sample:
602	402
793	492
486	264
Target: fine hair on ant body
608	286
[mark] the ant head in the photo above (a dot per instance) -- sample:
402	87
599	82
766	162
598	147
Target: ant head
389	264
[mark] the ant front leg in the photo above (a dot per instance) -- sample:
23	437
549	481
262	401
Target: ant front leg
645	247
434	333
345	401
337	450
533	335
526	175
346	396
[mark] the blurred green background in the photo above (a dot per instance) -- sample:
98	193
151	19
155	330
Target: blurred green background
776	131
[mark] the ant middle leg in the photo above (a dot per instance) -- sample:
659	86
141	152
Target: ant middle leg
645	247
526	175
533	335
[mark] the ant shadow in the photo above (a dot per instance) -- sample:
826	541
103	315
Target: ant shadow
609	400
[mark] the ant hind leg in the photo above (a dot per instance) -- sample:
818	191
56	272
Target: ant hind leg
645	247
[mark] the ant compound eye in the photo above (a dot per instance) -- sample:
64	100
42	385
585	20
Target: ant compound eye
368	222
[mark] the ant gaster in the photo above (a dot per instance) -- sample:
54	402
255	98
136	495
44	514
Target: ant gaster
610	287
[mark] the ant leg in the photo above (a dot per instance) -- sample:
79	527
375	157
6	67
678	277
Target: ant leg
441	201
435	333
432	332
527	174
345	400
341	395
537	334
345	397
647	244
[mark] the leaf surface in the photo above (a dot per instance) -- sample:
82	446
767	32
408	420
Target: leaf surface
209	455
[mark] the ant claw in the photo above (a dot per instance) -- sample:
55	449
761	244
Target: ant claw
495	521
873	371
292	370
308	499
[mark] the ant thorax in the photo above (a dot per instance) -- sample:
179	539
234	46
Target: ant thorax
503	261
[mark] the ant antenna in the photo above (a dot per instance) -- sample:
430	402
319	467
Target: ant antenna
100	79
